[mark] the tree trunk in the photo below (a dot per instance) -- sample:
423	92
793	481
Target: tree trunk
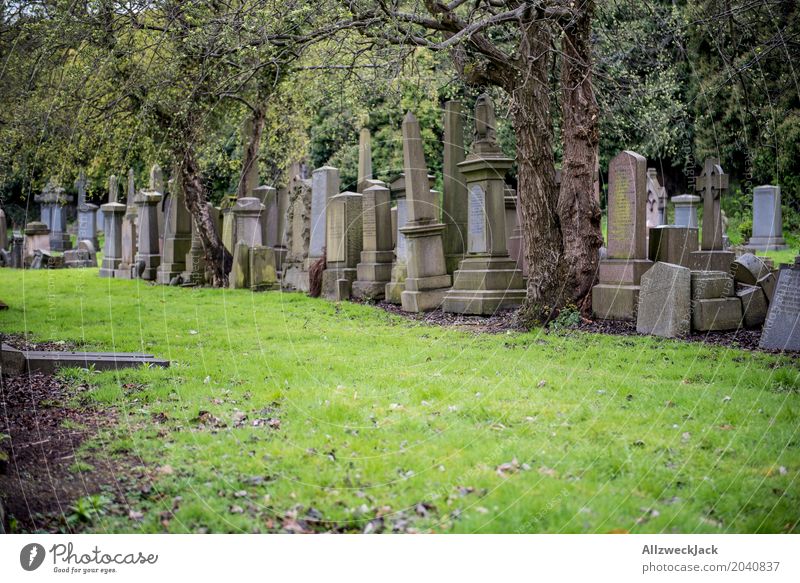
578	210
254	130
218	260
538	195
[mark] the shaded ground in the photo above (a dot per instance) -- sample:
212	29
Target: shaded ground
46	482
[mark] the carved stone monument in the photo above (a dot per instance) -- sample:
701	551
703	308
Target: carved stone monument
454	199
148	256
87	227
112	221
767	219
713	182
177	234
375	268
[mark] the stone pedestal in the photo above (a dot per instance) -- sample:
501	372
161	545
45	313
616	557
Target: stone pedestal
37	238
148	257
177	237
427	279
344	245
262	269
247	214
616	297
112	249
674	245
767	220
711	260
454	200
686	210
488	279
375	268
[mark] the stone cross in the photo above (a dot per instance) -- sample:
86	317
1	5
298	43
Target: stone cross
712	183
80	185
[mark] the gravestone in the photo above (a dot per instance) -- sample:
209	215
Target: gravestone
37	238
247	215
686	210
130	239
228	235
427	279
713	183
375	268
488	279
665	301
87	228
55	198
17	251
454	200
85	255
268	197
148	255
298	236
616	296
324	186
112	221
767	219
98	220
195	261
397	280
782	327
344	245
656	200
3	230
364	160
177	234
262	270
671	244
239	277
754	304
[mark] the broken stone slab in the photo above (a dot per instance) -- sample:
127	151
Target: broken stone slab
768	283
665	301
754	305
716	314
27	361
707	285
748	269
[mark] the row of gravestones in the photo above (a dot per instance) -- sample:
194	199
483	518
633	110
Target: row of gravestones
670	283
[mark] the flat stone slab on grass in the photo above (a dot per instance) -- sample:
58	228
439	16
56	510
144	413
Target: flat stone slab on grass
49	361
665	301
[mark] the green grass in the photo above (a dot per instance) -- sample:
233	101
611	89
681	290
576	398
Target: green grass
381	416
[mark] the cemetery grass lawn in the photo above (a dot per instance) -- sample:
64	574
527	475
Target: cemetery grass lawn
366	420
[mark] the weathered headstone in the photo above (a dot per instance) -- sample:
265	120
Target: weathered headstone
713	182
665	301
262	271
754	304
686	210
488	279
670	244
782	328
98	220
454	201
324	186
616	296
148	256
130	238
298	236
37	238
247	214
345	241
195	273
268	197
112	221
17	248
715	305
87	228
3	230
239	277
177	234
54	200
397	280
375	268
655	199
427	279
767	219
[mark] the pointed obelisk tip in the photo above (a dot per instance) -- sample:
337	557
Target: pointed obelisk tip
410	118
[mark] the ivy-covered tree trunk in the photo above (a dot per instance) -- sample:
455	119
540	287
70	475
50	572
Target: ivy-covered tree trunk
536	175
218	260
578	209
